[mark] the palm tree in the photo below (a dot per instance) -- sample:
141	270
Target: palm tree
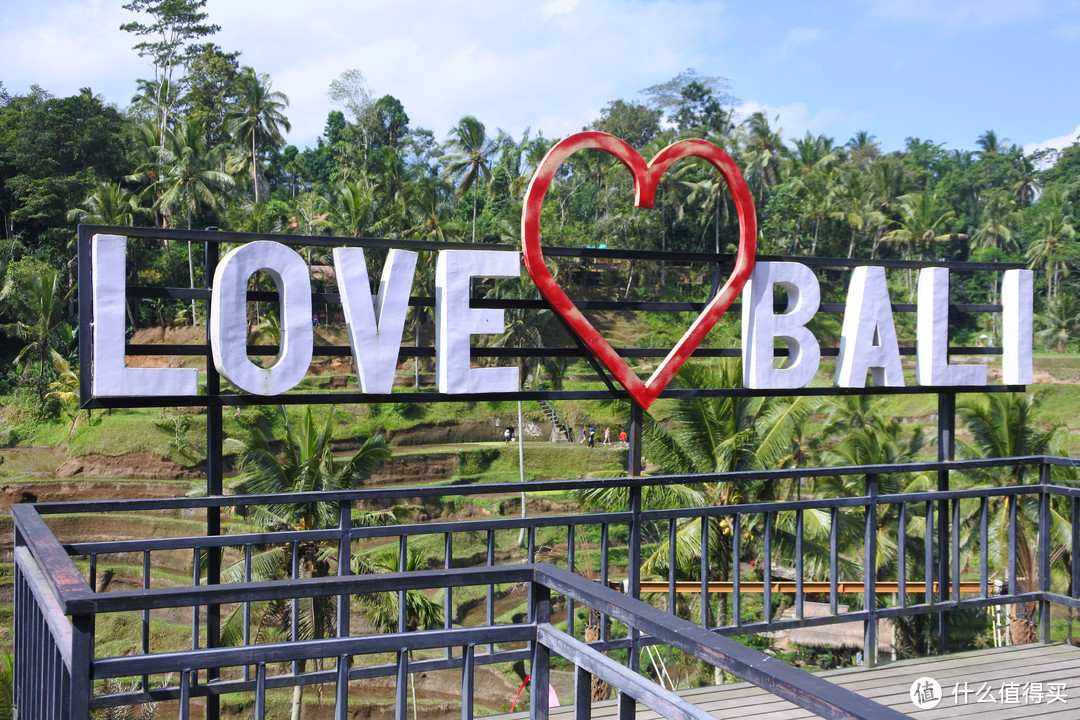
921	225
718	435
66	389
1051	247
469	158
854	205
817	185
869	438
353	213
1027	186
863	149
887	180
1002	425
391	179
764	157
305	463
257	119
186	178
1059	325
430	209
995	231
39	299
186	181
990	144
524	329
108	204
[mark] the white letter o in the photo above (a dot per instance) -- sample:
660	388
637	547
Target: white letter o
228	317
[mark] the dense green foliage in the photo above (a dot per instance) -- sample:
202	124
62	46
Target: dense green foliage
201	144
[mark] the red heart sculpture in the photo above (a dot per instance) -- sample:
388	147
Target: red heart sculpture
645	180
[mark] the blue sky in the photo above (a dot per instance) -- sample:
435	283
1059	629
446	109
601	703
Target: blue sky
943	70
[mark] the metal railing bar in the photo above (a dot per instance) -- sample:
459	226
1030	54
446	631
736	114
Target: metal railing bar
247	607
195	573
448	598
224	236
512	488
545	521
901	556
604	553
984	545
928	552
63	579
489	590
260	691
630	683
736	569
779	678
703	571
571	536
766	603
116	547
122	546
957	568
317	677
304	398
671	540
403	562
407	352
48	607
1011	572
1059	599
1074	555
302	587
799	564
467	679
270	653
146	616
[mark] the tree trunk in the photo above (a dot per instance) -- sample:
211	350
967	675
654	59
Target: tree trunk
474	209
297	702
254	171
416	358
600	689
1022	629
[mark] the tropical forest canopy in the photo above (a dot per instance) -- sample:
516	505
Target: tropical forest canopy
201	144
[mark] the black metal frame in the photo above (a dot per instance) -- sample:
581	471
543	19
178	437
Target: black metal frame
55	607
214	239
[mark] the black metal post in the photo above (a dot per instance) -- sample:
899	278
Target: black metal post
215	439
341	689
468	675
541	656
946	452
634	551
1044	552
870	640
86	327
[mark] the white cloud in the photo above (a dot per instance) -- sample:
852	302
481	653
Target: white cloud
958	14
1057	143
796	39
796	119
558	7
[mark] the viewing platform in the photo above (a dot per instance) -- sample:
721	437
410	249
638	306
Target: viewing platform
1008	683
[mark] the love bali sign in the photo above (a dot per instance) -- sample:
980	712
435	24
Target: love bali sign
375	322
